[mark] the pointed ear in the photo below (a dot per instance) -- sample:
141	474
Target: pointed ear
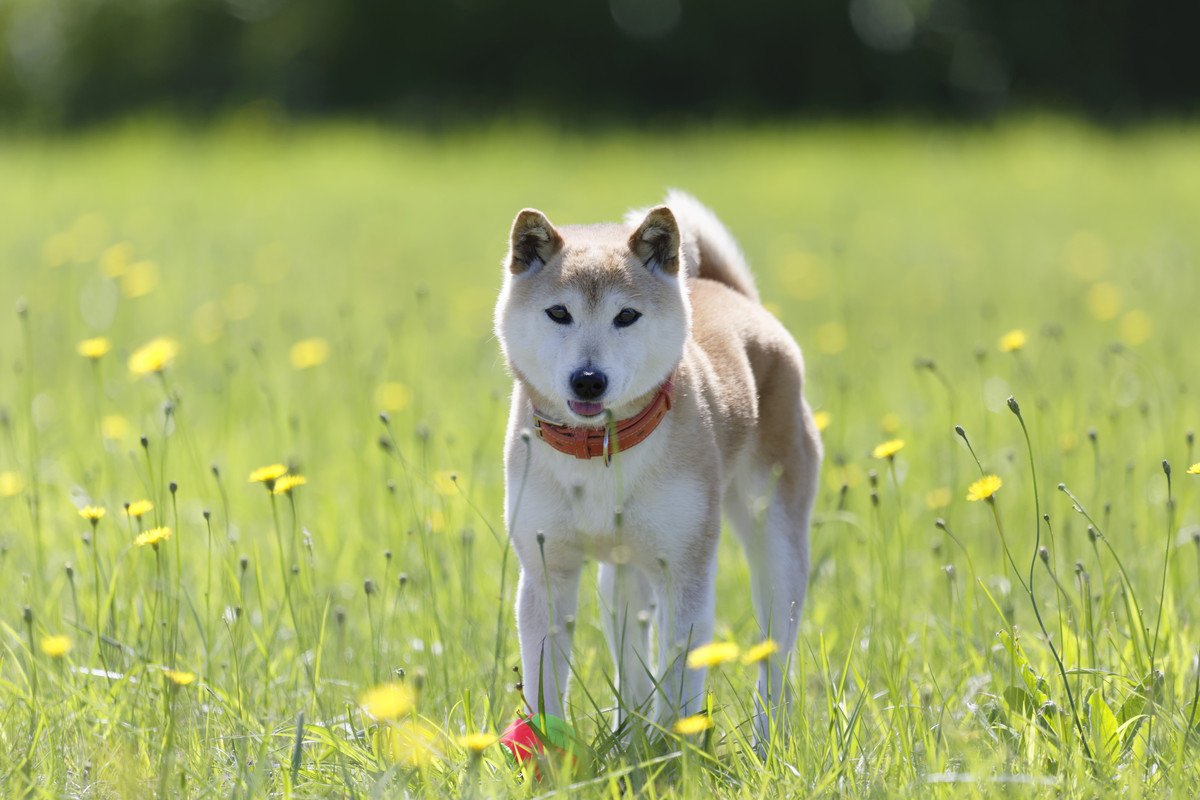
656	241
533	241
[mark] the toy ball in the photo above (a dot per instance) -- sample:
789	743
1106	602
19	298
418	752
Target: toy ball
529	736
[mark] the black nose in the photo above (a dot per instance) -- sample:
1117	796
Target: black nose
588	384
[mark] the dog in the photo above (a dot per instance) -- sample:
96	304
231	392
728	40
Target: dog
652	392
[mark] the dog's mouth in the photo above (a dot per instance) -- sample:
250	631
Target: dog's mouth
586	409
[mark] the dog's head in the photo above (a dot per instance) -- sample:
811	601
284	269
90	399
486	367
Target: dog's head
592	317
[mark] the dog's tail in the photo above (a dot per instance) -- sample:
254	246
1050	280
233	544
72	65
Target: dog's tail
709	249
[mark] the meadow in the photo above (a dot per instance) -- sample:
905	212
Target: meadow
320	297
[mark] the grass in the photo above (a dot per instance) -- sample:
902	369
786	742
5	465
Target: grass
315	276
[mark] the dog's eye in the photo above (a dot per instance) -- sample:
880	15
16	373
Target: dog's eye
559	314
627	317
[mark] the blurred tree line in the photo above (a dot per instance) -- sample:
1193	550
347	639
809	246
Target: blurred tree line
73	61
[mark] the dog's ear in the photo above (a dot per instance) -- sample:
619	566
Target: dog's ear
656	241
533	241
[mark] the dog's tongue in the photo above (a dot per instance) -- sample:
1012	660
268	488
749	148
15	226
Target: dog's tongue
585	409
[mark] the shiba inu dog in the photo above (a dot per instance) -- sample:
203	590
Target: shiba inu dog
652	393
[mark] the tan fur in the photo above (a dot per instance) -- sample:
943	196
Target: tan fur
740	438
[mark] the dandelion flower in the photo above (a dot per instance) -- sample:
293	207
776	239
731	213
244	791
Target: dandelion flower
445	483
1194	469
285	483
154	356
94	348
152	537
1013	341
888	449
393	396
389	701
11	483
139	279
116	259
139	508
56	646
93	514
690	726
410	743
179	677
309	353
984	488
268	474
821	420
937	498
764	649
114	426
712	654
477	742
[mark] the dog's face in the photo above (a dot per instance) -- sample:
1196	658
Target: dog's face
592	317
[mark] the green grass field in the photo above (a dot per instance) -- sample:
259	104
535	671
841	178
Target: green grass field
312	277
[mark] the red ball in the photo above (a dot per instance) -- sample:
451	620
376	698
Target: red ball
528	737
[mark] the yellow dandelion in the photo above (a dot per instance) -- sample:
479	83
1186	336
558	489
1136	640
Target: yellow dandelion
94	348
268	474
1136	327
393	396
831	338
56	646
477	742
139	279
309	352
179	677
937	498
1194	469
152	537
114	426
764	649
984	488
821	420
154	356
116	259
690	726
888	449
849	475
1013	341
11	483
285	483
93	514
389	701
445	482
411	743
139	508
712	654
1104	301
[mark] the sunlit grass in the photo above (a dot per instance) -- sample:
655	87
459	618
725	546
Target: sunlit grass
187	311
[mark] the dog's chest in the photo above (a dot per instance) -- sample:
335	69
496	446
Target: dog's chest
627	512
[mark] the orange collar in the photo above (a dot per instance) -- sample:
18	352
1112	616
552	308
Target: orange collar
585	443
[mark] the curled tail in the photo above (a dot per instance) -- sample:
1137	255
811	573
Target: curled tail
709	249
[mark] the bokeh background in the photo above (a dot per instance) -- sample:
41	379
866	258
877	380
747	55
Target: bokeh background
641	61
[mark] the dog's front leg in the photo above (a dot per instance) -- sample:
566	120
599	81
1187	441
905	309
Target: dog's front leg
685	621
546	601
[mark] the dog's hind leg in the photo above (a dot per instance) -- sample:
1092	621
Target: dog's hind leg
626	609
770	513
